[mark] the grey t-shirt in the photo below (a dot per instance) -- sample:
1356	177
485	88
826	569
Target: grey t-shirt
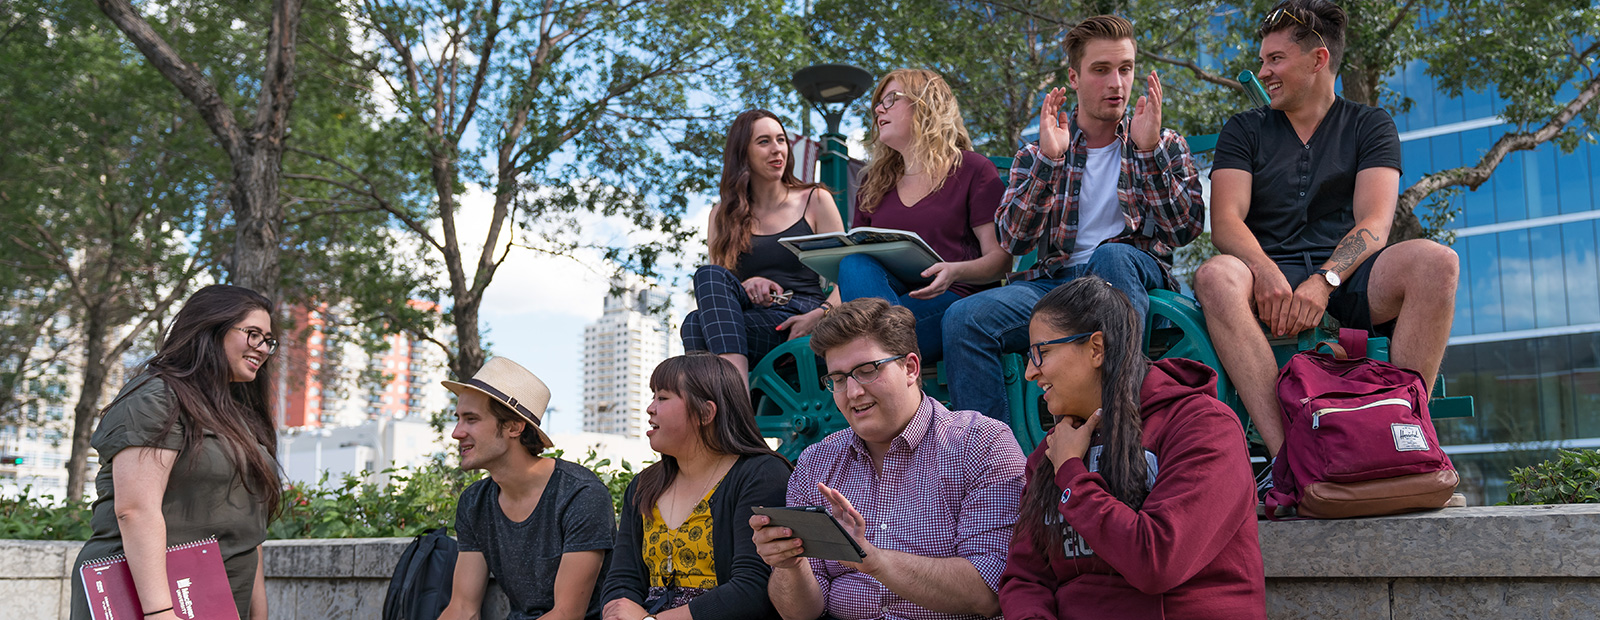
574	514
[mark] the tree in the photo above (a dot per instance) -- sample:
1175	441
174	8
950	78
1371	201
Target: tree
555	109
255	153
105	210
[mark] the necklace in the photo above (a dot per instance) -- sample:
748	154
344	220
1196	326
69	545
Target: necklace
705	487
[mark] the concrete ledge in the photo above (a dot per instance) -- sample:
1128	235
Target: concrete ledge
1482	562
1474	542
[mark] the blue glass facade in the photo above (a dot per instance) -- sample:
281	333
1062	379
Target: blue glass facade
1526	338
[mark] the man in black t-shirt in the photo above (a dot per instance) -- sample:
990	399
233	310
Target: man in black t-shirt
1303	194
544	527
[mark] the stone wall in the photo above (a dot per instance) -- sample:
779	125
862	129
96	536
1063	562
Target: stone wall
1481	562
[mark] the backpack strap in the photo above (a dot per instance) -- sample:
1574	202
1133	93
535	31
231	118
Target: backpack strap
1354	341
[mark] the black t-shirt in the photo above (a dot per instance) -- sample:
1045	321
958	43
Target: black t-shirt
574	514
1301	193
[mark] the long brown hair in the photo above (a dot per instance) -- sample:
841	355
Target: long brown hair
733	217
699	378
938	135
197	372
1090	304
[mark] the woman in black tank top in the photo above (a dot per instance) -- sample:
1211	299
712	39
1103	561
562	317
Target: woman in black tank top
755	294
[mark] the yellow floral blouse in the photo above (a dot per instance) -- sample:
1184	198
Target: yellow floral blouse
682	556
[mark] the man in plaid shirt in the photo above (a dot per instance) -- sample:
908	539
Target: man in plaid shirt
929	494
1103	192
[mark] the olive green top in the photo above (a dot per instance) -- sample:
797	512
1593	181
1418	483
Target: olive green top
205	494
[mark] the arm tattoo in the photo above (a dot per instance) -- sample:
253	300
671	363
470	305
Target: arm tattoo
1351	249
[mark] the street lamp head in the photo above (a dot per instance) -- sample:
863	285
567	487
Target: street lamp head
835	84
832	83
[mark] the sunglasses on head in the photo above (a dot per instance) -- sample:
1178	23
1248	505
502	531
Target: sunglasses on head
1277	16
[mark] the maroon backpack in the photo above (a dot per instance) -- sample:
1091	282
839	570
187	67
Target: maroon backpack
1357	439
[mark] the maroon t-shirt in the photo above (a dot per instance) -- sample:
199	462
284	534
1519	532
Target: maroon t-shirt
945	218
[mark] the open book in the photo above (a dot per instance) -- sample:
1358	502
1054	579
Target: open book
902	252
199	585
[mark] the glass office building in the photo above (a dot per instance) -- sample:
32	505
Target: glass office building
1526	338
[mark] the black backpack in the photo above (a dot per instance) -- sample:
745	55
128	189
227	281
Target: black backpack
420	588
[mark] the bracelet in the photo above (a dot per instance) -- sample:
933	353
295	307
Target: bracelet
158	611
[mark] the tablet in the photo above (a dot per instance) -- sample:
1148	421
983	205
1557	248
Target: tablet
822	536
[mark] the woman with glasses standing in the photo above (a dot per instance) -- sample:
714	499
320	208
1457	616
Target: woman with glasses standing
923	177
187	451
1140	502
684	547
755	294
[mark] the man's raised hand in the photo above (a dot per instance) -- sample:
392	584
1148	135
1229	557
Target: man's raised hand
1146	128
1054	138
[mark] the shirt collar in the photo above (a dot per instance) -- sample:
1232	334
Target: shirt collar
911	436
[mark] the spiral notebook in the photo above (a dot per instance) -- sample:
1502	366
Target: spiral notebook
199	585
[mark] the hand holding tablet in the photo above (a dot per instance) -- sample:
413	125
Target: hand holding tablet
820	535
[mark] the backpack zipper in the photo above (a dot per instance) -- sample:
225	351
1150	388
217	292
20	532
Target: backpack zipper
1316	416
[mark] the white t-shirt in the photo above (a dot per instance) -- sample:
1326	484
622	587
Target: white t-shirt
1099	216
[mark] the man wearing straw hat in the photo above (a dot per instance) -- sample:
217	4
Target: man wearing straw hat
543	526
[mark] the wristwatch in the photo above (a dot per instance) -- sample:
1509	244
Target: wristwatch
1331	276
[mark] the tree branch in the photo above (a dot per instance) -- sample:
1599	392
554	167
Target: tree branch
1196	70
186	77
1474	176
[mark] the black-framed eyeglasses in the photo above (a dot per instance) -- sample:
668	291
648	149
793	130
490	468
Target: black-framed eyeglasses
255	338
863	374
889	99
1036	350
1274	17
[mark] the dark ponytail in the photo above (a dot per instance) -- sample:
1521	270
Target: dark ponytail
1090	304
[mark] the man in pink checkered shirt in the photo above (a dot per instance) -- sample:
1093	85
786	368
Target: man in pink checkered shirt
930	494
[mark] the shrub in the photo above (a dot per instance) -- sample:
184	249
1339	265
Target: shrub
29	517
1573	477
415	499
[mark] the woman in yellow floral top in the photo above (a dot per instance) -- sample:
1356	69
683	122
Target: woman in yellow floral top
684	548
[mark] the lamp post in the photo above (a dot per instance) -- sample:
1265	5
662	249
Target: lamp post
837	85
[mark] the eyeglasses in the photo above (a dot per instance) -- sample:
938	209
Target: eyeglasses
1036	350
254	339
1274	17
863	374
889	99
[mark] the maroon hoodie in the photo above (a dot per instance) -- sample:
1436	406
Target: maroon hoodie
1191	552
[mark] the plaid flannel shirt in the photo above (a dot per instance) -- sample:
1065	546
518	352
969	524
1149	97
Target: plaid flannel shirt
1158	190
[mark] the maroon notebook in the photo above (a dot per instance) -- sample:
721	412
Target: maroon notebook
199	585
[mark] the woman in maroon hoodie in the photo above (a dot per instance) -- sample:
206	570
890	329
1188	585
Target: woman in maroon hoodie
1140	503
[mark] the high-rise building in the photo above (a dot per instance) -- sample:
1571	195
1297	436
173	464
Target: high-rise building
620	350
328	378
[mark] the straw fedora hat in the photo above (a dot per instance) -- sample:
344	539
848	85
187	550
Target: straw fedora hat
509	384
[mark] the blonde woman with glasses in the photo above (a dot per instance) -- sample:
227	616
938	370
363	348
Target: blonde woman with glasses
923	177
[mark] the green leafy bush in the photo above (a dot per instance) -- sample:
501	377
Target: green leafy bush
30	517
1573	477
413	500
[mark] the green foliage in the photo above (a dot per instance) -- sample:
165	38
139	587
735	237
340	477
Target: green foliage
413	500
1573	477
30	517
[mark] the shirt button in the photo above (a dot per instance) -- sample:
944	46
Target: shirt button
1302	193
883	526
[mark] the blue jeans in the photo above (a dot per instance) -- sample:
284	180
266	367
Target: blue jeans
861	276
981	327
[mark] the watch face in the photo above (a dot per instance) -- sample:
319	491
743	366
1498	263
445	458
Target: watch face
1332	278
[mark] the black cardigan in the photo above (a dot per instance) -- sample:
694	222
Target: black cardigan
741	592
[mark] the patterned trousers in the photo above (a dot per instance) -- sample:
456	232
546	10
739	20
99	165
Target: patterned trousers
728	322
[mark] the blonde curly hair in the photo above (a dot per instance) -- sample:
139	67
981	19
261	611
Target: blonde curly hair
938	135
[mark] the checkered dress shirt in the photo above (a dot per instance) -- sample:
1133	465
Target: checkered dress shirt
1158	190
950	486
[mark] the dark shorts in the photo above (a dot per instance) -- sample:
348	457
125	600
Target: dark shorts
1348	304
